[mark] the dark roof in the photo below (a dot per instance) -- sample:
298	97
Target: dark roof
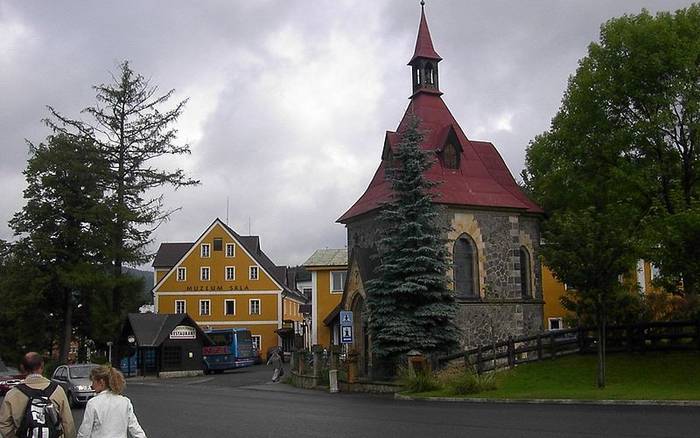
151	329
328	320
279	273
170	253
482	180
424	44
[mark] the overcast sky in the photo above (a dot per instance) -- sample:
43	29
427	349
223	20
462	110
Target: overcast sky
289	100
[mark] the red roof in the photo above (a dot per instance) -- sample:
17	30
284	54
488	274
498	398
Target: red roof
424	44
482	180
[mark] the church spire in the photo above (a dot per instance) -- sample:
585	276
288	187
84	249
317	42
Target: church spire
425	59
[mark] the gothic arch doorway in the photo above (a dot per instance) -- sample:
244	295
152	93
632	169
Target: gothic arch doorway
361	338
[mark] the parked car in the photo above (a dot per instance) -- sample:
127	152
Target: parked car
75	380
9	378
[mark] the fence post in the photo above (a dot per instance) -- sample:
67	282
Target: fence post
552	346
493	357
466	360
697	334
539	347
511	352
630	337
478	360
581	340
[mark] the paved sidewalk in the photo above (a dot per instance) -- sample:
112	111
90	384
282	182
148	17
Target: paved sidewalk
538	401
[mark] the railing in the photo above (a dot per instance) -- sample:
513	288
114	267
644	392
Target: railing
651	336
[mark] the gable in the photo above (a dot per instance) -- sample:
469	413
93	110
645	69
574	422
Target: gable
217	262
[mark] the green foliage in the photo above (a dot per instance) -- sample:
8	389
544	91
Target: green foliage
421	381
458	381
409	304
131	128
62	223
624	144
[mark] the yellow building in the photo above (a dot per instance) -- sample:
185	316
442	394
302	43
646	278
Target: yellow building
224	280
328	269
555	316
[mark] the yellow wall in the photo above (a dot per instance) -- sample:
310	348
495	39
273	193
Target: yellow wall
552	290
327	301
290	309
218	289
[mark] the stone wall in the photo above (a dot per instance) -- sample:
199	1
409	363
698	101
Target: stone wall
500	310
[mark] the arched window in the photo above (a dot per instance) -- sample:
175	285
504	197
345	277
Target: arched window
450	157
525	273
429	75
465	268
417	70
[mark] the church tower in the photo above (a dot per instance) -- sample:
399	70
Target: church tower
495	228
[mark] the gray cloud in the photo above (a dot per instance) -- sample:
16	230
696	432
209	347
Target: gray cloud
289	101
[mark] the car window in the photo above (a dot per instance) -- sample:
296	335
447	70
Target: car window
59	373
80	372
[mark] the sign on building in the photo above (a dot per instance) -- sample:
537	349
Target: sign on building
183	332
346	318
346	334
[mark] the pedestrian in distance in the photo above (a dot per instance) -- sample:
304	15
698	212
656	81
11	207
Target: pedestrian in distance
37	407
276	361
109	414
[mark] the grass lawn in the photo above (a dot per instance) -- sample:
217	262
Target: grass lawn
649	376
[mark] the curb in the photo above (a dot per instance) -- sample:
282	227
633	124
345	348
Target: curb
544	401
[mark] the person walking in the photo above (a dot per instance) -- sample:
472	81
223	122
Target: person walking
109	414
276	361
38	388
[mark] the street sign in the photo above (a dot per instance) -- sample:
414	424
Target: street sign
346	334
346	318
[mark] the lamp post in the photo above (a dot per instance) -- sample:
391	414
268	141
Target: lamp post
109	349
131	340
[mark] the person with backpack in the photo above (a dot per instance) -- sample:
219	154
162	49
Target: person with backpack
109	414
37	407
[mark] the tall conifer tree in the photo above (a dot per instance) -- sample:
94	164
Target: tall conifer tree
132	127
409	303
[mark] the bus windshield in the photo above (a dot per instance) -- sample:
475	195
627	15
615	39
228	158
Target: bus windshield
221	339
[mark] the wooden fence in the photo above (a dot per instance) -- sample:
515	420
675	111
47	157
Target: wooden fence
651	336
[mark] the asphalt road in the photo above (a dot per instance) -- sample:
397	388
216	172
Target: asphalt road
244	404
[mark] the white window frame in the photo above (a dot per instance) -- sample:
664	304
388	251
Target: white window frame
233	252
226	270
201	273
250	306
208	306
226	301
559	319
184	306
184	274
338	291
250	273
202	250
259	341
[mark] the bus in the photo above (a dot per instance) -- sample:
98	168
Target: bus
233	348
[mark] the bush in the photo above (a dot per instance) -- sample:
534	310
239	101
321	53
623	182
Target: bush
459	381
422	381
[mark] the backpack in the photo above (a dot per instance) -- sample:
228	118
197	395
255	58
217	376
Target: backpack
41	419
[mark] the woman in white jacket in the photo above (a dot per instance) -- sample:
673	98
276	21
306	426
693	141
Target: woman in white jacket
109	414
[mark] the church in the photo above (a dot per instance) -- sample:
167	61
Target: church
494	242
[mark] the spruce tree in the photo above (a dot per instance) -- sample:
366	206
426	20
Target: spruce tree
409	303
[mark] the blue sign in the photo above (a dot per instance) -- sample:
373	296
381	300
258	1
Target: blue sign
346	334
346	318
